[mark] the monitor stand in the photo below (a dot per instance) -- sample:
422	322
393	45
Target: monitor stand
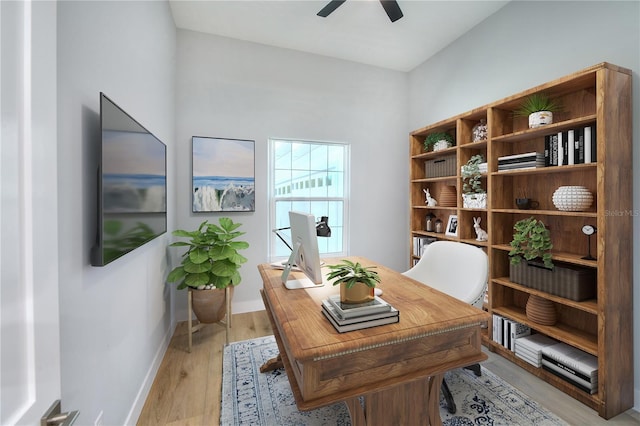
299	282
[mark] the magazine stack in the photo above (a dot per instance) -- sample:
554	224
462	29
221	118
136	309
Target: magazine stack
348	317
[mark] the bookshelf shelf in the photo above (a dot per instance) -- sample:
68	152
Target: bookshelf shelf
598	97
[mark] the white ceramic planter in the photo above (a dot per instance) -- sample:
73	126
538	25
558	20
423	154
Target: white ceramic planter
440	145
540	118
474	201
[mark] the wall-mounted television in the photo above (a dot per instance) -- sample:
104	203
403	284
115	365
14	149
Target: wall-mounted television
132	185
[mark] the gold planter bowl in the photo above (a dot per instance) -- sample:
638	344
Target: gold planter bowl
359	293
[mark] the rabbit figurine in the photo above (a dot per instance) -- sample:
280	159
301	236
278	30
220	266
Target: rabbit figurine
481	233
431	202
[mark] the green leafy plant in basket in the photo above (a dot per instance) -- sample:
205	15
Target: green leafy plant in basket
350	273
531	240
212	258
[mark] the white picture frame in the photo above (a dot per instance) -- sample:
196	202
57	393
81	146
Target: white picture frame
452	226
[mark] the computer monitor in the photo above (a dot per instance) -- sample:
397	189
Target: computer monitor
304	253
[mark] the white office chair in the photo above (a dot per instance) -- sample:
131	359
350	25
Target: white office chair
459	270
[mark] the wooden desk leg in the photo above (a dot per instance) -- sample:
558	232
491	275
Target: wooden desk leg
272	364
433	402
356	412
227	296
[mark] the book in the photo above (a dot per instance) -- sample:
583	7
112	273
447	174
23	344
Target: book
528	358
573	358
326	305
497	328
561	151
351	310
362	324
593	380
580	384
571	153
536	342
517	331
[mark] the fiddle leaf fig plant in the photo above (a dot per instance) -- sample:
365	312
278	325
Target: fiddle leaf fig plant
351	273
531	240
212	259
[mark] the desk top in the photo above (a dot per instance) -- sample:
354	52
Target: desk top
423	310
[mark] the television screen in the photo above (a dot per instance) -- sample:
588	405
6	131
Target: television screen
132	187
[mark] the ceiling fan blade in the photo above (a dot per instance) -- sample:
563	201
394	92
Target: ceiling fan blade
333	5
393	10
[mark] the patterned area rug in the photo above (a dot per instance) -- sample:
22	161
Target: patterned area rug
253	398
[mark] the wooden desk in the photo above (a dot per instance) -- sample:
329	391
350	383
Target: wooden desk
398	368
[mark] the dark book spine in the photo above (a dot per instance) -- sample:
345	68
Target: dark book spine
569	370
568	379
580	146
547	151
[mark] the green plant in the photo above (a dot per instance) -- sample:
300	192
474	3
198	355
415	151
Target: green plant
531	240
471	183
212	258
350	273
537	102
432	138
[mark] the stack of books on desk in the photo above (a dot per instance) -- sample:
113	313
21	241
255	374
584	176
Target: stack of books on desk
573	365
348	317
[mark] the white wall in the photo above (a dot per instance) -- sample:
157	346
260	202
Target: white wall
234	89
114	320
498	58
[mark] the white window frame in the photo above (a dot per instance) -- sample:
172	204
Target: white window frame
272	237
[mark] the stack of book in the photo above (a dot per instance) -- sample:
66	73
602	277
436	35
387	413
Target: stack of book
528	160
575	146
349	317
529	348
573	365
506	332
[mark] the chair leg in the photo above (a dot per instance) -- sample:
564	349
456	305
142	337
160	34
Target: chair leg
475	368
451	404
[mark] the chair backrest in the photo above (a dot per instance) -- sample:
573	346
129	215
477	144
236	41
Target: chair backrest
457	269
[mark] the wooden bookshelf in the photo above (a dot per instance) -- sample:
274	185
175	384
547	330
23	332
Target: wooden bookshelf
600	97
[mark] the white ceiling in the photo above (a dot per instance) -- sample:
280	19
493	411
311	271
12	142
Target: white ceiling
358	31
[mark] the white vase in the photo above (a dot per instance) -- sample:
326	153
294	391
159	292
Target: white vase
540	118
573	198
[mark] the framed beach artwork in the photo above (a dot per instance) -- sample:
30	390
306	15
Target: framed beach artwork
223	175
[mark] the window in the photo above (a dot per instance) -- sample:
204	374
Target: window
309	177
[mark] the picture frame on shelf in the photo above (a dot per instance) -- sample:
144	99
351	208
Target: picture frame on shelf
452	226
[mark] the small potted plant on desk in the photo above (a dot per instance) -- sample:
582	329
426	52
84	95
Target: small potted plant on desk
539	108
473	195
438	141
209	266
532	243
357	282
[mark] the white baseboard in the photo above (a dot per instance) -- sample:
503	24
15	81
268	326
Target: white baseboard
143	392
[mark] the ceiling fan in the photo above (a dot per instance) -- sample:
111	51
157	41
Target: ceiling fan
390	6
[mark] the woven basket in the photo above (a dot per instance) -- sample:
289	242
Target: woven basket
569	281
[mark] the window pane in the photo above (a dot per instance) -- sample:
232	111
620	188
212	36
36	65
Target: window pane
305	176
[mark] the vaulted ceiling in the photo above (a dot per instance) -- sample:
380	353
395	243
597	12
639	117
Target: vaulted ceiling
358	30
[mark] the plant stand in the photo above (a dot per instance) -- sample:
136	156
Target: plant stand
191	328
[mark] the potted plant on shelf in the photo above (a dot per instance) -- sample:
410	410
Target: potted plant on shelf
209	266
357	282
438	141
532	242
473	195
539	107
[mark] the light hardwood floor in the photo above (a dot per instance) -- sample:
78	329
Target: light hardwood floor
187	388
